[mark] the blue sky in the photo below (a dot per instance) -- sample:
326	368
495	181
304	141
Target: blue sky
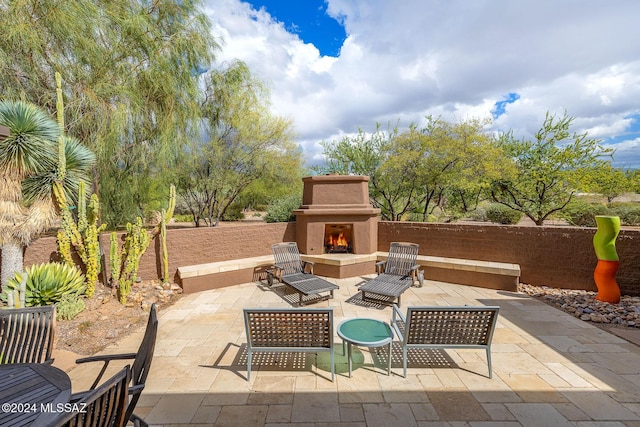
309	20
337	66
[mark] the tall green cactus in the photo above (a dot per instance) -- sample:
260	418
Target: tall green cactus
62	162
115	260
163	247
126	262
164	219
136	242
82	235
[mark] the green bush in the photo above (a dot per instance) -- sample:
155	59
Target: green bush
629	212
183	217
69	306
234	213
281	210
479	214
502	214
47	283
583	214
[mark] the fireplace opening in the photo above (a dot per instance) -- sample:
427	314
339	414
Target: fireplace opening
338	238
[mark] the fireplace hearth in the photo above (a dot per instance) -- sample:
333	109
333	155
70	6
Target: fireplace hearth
336	217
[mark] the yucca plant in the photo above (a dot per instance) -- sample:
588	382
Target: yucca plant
47	283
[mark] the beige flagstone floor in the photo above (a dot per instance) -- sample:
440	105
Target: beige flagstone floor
549	369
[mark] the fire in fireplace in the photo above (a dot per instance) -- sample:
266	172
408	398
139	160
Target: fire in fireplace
338	238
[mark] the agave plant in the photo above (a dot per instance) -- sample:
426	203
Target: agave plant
47	283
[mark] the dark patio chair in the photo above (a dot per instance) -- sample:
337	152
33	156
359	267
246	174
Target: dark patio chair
395	275
26	334
105	406
140	369
291	270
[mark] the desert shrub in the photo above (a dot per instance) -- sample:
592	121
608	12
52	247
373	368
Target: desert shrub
183	217
412	217
47	283
69	306
479	214
233	213
281	210
502	214
628	212
583	214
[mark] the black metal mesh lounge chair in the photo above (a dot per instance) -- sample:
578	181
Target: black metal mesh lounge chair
395	275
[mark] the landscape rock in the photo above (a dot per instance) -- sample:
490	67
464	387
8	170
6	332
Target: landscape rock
583	305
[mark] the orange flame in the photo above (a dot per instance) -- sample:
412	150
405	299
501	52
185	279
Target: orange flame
338	240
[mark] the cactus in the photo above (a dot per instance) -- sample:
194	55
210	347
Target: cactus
64	247
114	261
83	235
82	207
164	219
163	247
62	163
125	263
136	243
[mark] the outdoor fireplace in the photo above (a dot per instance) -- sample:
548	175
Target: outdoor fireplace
336	217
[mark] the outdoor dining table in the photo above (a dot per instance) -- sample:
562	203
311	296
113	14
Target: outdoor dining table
32	394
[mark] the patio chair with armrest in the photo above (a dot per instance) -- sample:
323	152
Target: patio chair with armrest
105	406
290	269
395	275
140	368
27	334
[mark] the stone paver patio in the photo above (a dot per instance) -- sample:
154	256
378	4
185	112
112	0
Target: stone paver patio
549	369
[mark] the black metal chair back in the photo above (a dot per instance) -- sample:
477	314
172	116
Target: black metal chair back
103	407
142	362
26	334
141	365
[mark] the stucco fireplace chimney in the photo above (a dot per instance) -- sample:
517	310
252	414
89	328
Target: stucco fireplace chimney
336	207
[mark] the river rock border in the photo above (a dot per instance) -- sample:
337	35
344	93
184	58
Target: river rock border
583	305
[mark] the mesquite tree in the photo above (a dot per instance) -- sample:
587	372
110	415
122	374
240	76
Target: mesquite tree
551	168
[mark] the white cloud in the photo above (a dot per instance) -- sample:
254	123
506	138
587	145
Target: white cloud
404	60
627	153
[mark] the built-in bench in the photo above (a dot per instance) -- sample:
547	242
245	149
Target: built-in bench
214	275
445	327
289	330
486	274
